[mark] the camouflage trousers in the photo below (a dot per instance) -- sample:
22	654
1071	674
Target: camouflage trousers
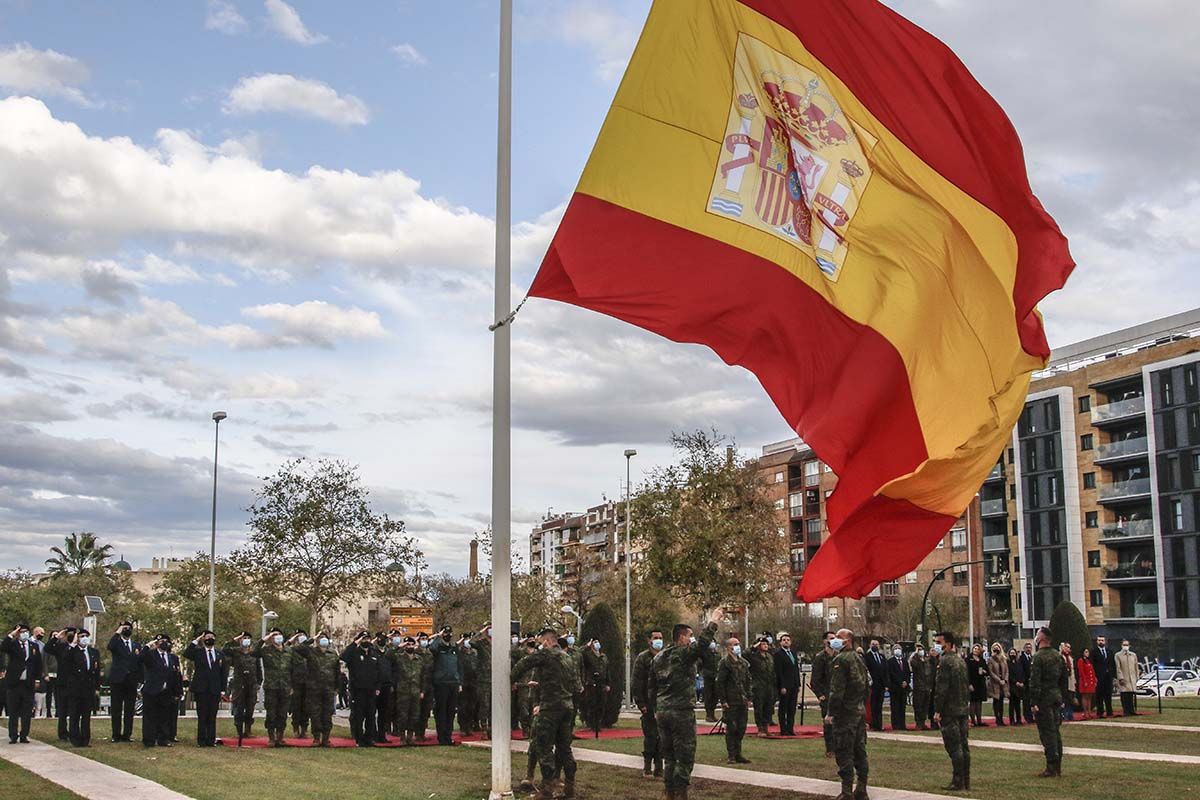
677	744
407	707
650	745
850	750
1048	722
242	702
955	738
552	735
827	729
735	729
299	705
318	708
484	708
920	703
275	700
764	704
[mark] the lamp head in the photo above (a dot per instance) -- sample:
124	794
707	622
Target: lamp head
630	453
219	415
568	610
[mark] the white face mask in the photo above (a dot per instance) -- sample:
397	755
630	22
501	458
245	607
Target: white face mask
937	649
396	640
737	649
1124	648
488	633
323	642
837	644
691	640
770	640
657	644
302	638
246	642
596	646
277	638
84	641
897	652
515	640
24	636
920	651
712	646
424	643
570	640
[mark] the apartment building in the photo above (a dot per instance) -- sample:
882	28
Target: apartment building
799	484
1098	498
575	551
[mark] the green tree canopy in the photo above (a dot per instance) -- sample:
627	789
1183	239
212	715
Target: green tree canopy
601	624
1068	625
81	552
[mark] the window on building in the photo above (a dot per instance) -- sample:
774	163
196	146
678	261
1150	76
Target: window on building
1011	458
1052	491
812	498
782	532
941	543
1016	563
1012	491
1091	519
1031	459
796	501
1190	390
813	525
1096	598
910	577
1169	440
958	540
1167	393
779	504
1089	480
1015	530
1170	477
1193	423
812	473
960	575
1085	404
1086	441
779	477
1054	527
1034	501
1051	454
1195	464
1093	558
1176	515
1052	414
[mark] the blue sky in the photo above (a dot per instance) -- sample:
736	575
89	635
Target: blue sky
286	211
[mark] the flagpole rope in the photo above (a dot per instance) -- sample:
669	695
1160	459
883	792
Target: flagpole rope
511	316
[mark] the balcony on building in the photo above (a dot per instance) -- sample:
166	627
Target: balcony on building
997	473
1127	531
1127	449
1139	569
993	508
998	580
995	543
1124	491
1137	604
1118	410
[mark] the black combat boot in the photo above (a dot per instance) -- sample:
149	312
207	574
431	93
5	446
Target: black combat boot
681	793
647	766
956	784
860	793
658	768
317	740
527	784
966	778
1048	772
568	790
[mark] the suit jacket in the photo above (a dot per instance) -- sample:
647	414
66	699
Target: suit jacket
876	668
78	673
1104	661
1020	671
898	674
206	679
156	672
175	678
787	671
126	660
1127	671
18	662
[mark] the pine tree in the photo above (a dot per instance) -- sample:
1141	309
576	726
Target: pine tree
601	624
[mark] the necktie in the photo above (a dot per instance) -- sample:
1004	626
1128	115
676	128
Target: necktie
165	663
87	660
210	659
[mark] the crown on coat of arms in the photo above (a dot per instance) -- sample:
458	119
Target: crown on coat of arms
806	112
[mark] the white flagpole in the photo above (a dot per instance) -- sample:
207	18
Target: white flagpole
502	431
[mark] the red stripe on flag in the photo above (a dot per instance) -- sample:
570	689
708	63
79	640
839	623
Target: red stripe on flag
841	385
917	87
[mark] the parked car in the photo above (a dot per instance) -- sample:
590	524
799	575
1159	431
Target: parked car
1174	681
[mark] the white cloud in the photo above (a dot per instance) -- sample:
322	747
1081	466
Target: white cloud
45	72
317	322
609	36
223	16
33	407
284	20
410	54
273	92
70	193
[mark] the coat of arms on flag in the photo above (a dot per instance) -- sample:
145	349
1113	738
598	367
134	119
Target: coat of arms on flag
791	163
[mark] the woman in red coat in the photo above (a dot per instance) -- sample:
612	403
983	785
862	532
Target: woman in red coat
1086	682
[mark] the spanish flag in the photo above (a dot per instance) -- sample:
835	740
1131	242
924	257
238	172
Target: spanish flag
821	193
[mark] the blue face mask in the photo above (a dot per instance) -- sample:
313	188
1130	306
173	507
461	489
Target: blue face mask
937	649
246	642
596	646
837	644
657	644
24	636
323	642
737	649
396	640
570	640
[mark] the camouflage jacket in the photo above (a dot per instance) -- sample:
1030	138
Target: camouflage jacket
642	698
762	670
953	686
483	661
556	677
243	668
298	667
673	673
321	667
708	663
733	681
848	687
921	680
276	665
408	673
595	668
1045	674
819	678
576	656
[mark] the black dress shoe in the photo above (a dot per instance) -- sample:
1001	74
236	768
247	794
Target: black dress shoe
24	740
12	741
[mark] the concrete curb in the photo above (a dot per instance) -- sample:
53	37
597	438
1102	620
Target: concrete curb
84	776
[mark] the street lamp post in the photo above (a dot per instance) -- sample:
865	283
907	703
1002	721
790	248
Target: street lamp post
578	620
925	600
266	615
629	454
212	549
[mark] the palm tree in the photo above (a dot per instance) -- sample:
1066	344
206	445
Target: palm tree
82	554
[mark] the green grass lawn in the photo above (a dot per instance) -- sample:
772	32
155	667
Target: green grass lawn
418	773
20	782
995	774
1096	736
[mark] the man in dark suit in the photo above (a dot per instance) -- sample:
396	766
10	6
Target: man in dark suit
79	676
156	696
22	676
787	682
899	679
124	675
175	690
877	669
1104	661
1025	662
208	684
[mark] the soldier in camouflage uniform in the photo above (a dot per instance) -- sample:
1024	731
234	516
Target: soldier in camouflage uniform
276	660
557	683
427	700
822	669
922	686
672	683
644	700
1046	676
595	684
408	675
392	654
468	698
953	697
526	691
708	669
576	655
734	691
848	692
762	674
243	682
322	667
483	666
298	676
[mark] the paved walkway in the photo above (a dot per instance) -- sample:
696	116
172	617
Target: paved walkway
1022	747
1148	726
744	777
83	776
